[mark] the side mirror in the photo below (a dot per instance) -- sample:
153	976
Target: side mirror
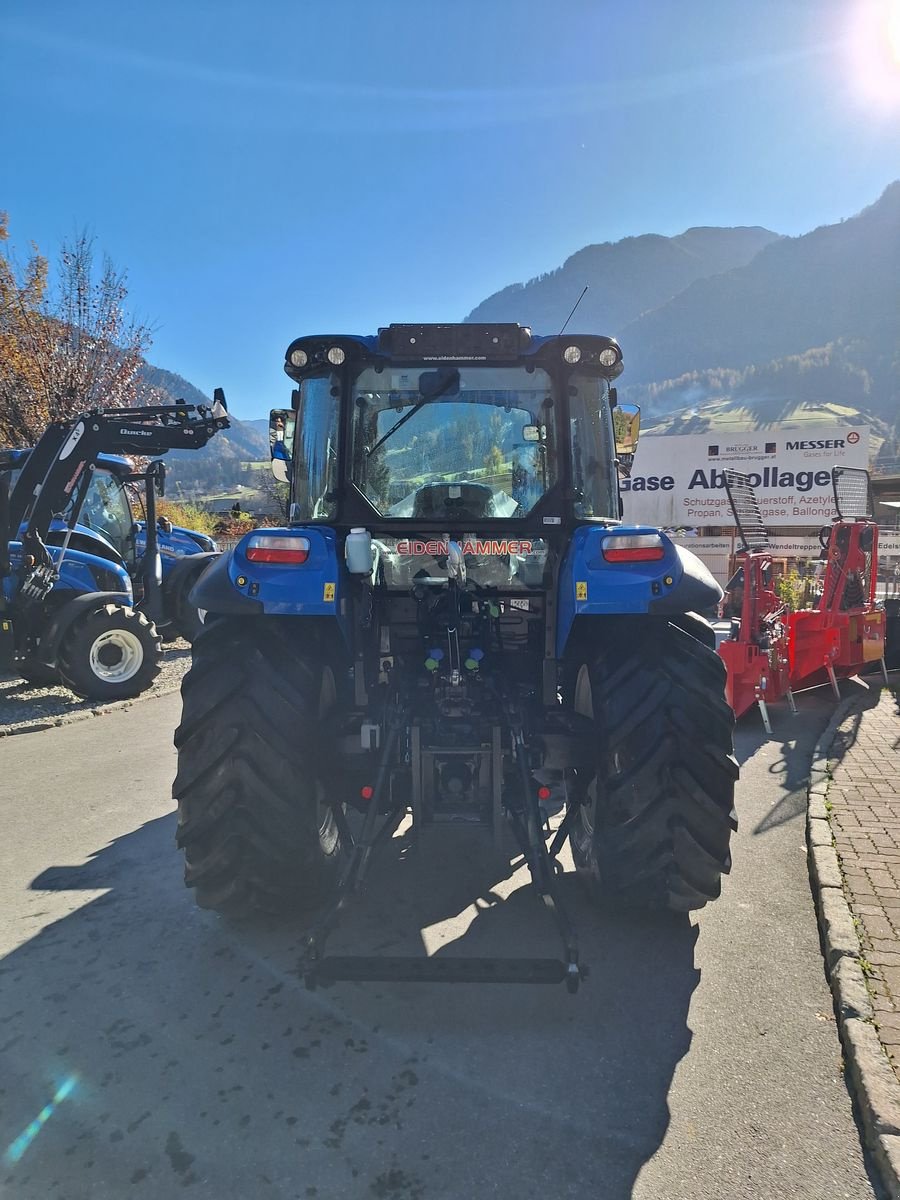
282	422
627	426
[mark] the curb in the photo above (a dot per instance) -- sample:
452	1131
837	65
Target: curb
82	714
875	1086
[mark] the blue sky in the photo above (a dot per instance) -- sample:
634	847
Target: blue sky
268	169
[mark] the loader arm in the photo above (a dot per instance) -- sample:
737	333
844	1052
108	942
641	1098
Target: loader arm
68	449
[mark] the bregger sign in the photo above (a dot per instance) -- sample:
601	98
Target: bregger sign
680	480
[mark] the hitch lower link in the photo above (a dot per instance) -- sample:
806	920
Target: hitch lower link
319	969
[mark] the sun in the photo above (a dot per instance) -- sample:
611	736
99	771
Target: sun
893	29
874	46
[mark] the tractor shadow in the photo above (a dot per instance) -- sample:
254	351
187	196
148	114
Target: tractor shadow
183	1051
790	748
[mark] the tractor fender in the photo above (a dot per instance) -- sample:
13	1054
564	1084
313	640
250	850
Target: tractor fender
174	578
590	585
215	591
67	614
315	587
696	590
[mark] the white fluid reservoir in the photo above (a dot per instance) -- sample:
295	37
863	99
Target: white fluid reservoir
358	552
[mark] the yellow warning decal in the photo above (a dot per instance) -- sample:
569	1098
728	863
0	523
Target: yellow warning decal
329	592
581	590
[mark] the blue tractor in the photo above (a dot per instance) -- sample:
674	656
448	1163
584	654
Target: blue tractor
184	553
104	529
82	586
456	626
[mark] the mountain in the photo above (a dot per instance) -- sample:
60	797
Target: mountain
625	279
765	325
837	285
218	467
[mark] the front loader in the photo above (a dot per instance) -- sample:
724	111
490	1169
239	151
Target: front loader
67	601
456	627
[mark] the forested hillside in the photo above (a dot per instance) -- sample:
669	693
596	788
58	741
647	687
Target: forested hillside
219	466
799	322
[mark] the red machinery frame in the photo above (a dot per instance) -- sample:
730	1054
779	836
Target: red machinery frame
757	652
846	631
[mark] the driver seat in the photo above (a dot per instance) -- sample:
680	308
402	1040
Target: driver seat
467	501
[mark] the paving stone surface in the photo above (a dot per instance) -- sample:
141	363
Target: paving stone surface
864	803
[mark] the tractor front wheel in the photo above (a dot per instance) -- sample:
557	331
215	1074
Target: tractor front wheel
655	816
110	653
254	767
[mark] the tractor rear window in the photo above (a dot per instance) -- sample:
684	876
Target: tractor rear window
453	442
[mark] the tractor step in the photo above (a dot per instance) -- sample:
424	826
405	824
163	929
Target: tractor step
407	969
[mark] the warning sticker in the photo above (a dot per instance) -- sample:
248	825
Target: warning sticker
328	594
581	590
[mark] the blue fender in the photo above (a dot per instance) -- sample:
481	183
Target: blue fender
234	585
589	585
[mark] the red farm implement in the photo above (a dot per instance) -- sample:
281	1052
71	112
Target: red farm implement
770	652
757	652
845	632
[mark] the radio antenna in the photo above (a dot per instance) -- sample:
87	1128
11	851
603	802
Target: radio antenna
572	313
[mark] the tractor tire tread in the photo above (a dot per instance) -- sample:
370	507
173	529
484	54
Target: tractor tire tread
663	814
249	753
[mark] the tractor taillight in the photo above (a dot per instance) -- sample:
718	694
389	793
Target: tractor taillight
633	547
266	548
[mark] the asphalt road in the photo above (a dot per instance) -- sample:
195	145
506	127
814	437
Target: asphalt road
148	1049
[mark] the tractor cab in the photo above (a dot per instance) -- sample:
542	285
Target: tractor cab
105	514
487	436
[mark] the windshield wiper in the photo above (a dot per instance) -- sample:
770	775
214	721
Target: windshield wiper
448	383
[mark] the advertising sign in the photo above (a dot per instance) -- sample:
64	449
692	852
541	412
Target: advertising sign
679	481
716	552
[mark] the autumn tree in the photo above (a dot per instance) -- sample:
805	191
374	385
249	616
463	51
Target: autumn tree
67	340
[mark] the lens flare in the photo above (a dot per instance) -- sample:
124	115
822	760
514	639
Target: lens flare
873	44
19	1145
893	30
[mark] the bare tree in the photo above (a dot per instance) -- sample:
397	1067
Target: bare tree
276	496
67	340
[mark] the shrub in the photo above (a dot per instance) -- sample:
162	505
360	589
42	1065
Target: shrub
190	516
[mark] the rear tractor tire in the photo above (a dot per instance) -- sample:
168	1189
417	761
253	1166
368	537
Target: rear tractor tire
38	673
185	618
111	653
254	768
656	818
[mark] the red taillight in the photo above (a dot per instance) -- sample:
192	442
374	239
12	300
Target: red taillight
633	547
266	548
